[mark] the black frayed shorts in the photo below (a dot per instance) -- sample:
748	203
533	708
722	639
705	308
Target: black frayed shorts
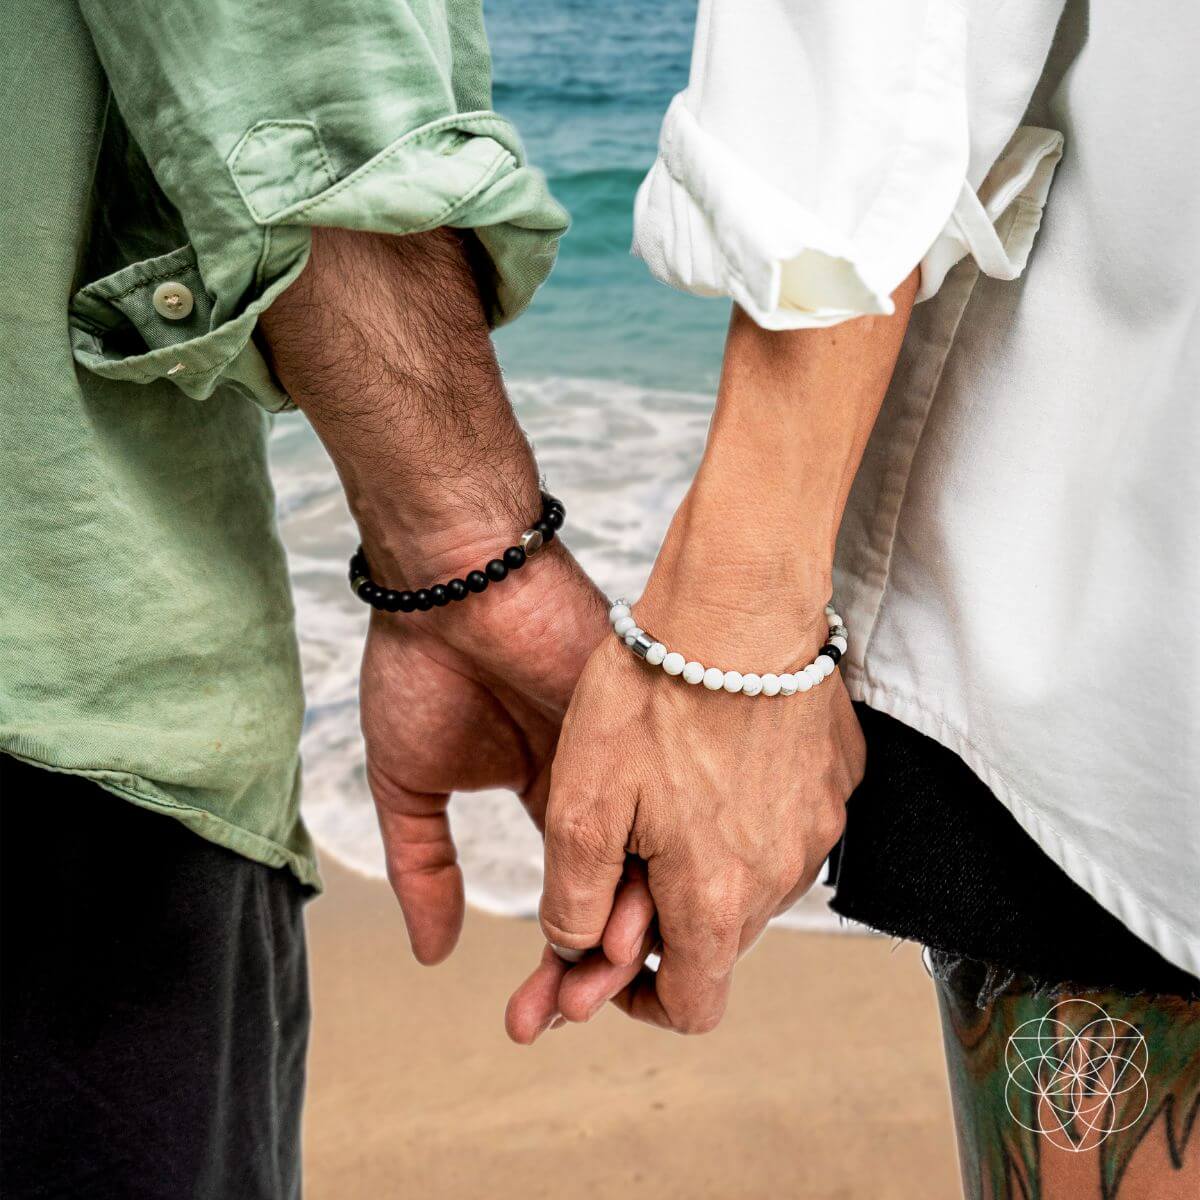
153	1004
930	854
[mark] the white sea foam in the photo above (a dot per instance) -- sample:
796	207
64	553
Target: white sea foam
622	458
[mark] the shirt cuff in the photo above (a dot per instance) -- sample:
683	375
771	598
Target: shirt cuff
464	171
708	224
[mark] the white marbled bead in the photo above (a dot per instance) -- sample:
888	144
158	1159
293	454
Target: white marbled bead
840	643
787	684
656	654
622	625
825	663
814	673
732	681
673	663
770	685
714	679
804	681
618	610
693	672
832	619
751	684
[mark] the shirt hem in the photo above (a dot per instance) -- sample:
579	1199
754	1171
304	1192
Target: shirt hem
208	825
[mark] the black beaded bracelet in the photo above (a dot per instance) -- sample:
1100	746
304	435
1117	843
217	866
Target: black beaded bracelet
539	534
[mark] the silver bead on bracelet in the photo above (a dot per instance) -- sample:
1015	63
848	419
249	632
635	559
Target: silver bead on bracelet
647	647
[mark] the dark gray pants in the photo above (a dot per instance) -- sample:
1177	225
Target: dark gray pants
153	1004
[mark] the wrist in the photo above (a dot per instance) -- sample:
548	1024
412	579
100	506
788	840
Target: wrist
492	571
415	535
721	589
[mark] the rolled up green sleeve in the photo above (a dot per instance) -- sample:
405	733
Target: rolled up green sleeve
259	121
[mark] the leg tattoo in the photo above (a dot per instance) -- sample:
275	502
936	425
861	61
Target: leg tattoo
1095	1099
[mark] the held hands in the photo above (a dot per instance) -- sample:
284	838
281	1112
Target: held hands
677	819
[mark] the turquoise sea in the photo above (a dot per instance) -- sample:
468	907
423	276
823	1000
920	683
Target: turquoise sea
612	375
587	85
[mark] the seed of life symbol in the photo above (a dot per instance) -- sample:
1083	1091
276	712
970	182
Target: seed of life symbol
1084	1070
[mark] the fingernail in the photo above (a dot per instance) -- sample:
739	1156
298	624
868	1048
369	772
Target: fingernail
550	1023
558	1022
567	954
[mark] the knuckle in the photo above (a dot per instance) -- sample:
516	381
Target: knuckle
576	831
830	823
724	897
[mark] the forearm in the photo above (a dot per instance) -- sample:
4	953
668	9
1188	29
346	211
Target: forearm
747	564
384	345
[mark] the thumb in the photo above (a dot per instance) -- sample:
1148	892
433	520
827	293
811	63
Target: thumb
422	867
585	857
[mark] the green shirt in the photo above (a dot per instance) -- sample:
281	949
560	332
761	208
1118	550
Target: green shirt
146	625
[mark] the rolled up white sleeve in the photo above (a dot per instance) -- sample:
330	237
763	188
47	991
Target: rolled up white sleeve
824	148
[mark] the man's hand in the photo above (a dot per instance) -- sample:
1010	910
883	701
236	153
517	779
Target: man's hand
465	698
384	345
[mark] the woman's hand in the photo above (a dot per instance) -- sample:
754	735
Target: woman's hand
731	802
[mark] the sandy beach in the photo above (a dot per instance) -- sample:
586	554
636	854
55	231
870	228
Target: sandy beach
825	1080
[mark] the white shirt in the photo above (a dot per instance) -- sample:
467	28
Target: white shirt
1019	563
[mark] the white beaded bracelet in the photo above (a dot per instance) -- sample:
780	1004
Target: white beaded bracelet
645	646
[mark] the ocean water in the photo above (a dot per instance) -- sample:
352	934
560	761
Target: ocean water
611	373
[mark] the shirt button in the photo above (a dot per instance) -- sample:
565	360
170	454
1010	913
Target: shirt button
173	301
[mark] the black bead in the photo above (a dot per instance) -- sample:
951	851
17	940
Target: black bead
407	602
391	601
423	600
439	595
496	570
477	581
545	529
457	589
366	592
514	558
832	651
554	517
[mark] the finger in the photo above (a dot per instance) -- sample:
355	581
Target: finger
533	1007
585	989
627	939
536	1003
631	917
585	858
690	990
422	867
